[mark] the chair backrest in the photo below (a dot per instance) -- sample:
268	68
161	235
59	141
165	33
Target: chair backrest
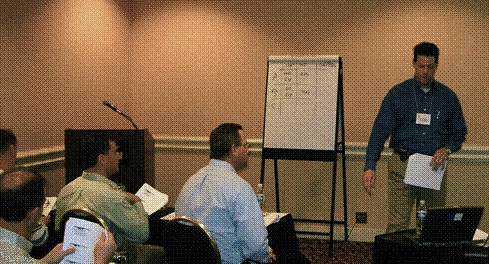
81	213
188	241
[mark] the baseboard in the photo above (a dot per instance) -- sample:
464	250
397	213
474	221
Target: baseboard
357	233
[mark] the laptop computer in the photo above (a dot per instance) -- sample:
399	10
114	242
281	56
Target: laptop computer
448	226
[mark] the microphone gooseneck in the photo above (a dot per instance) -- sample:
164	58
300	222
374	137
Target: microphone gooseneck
111	106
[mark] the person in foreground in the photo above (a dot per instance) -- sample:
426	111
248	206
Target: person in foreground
22	197
8	156
225	203
123	212
421	115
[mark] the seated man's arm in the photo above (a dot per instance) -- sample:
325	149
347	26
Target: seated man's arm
130	219
251	229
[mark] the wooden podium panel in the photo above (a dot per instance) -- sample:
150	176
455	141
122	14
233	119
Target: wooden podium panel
136	166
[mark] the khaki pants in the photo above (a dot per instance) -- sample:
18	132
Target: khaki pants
401	197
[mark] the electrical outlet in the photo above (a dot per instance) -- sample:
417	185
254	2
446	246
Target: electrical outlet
361	217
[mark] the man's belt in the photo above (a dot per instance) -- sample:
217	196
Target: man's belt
403	154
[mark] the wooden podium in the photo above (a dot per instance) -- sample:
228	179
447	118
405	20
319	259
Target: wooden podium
136	166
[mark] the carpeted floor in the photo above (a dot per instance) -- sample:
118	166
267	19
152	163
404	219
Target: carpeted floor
316	250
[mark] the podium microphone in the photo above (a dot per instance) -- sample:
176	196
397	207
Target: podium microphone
111	106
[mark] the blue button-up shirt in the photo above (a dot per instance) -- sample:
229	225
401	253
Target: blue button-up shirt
397	118
226	204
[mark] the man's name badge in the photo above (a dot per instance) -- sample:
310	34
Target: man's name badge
423	119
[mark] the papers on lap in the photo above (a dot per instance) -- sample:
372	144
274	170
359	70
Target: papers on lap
168	216
152	199
269	217
420	173
272	217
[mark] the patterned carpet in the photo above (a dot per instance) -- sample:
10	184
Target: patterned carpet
316	250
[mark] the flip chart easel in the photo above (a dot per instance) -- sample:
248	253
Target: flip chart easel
304	120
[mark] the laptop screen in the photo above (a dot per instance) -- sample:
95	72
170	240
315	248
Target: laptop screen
450	225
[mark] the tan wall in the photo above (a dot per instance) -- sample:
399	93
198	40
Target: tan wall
59	60
180	68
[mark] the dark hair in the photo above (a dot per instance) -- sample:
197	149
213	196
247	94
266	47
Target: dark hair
7	138
90	147
223	138
16	202
426	49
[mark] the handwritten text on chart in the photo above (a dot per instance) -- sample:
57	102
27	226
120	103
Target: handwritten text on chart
301	103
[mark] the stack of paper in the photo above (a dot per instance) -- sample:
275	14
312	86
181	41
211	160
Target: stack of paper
272	217
168	217
480	236
420	173
82	235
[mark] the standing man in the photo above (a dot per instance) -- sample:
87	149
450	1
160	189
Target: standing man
421	115
225	203
123	212
22	198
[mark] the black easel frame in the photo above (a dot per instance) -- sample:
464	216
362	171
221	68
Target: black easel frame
318	155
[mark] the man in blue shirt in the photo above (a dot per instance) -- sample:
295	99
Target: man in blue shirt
225	203
420	115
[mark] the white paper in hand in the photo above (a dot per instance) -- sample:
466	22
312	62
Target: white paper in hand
420	173
152	199
82	235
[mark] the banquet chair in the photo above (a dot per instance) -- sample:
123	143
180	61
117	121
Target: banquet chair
187	241
81	213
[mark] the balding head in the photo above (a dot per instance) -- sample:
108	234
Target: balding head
21	190
13	179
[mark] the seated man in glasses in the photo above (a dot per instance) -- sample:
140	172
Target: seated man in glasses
123	212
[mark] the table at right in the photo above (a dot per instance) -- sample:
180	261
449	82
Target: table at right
397	248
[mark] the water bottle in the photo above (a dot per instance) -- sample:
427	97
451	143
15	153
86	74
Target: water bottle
420	216
260	197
